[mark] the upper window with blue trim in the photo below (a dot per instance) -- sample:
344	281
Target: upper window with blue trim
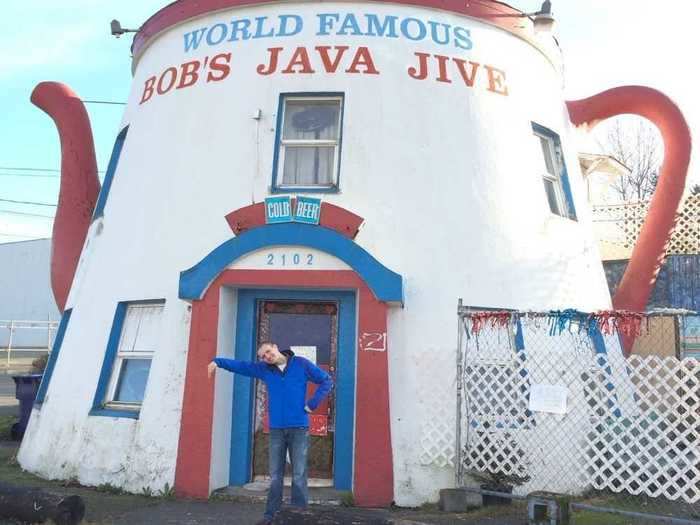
553	172
309	132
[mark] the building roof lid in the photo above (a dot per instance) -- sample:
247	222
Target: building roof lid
493	12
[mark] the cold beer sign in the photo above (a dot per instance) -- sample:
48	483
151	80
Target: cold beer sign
283	209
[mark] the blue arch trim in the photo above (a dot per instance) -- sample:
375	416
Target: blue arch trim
385	285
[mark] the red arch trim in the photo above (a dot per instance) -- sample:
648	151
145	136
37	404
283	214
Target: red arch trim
334	217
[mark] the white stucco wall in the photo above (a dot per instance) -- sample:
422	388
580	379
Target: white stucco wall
445	176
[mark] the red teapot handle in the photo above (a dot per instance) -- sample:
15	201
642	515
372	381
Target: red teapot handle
648	253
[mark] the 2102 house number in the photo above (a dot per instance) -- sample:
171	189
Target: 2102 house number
290	259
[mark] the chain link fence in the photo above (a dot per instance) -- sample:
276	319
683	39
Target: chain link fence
602	407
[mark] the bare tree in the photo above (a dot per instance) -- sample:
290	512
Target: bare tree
637	144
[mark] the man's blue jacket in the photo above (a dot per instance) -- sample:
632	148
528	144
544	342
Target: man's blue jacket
286	391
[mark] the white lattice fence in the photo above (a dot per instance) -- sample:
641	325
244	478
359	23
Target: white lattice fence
630	425
618	227
438	417
653	449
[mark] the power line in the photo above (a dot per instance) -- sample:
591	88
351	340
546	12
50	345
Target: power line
33	203
30	176
15	235
27	214
28	169
103	102
24	168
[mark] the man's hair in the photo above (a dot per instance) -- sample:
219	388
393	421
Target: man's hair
266	343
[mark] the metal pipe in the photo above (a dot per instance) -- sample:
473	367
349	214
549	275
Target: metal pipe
9	342
458	416
494	493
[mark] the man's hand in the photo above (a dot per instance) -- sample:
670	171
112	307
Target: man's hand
307	409
211	368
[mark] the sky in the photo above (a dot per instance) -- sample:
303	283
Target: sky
605	44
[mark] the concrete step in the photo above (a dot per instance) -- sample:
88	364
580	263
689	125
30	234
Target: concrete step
256	492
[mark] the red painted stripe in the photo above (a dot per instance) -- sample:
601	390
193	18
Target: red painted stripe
334	217
374	473
194	447
373	462
341	220
80	186
647	256
490	11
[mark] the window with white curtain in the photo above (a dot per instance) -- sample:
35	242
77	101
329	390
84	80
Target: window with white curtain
132	364
309	142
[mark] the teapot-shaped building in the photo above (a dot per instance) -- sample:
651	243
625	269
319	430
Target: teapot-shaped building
331	176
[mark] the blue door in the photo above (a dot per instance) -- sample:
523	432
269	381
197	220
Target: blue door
310	330
321	327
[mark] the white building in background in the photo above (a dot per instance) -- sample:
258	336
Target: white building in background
25	291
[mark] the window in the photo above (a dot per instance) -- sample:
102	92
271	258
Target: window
553	171
308	148
132	344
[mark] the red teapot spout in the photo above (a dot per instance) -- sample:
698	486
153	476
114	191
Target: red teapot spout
648	254
80	186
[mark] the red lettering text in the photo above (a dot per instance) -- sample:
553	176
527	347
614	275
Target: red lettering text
300	58
328	65
363	58
220	67
272	65
188	74
497	79
170	72
148	89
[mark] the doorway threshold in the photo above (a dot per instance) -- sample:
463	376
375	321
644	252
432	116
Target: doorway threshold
256	492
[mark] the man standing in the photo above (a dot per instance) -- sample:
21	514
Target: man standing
286	376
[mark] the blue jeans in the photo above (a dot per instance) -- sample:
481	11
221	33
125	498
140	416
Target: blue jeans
297	441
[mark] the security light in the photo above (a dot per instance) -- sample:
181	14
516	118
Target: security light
118	30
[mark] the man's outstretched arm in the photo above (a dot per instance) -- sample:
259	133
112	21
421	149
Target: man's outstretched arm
245	368
321	378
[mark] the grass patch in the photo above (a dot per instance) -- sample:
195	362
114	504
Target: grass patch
6	423
103	504
347	499
624	501
586	517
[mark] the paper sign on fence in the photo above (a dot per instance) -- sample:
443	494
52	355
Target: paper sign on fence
548	398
